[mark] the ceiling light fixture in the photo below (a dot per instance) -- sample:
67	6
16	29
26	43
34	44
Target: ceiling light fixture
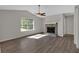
39	12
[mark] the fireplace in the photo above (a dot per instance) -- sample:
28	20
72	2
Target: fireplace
51	30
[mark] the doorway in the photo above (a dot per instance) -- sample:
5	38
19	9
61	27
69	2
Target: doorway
69	25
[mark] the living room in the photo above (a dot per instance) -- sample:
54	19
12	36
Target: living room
24	23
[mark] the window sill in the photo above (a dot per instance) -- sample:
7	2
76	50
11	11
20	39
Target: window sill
24	30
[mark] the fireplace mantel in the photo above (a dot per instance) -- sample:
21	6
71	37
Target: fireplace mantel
51	23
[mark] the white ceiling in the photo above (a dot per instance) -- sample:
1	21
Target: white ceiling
48	9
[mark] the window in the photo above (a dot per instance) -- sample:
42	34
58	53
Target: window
26	24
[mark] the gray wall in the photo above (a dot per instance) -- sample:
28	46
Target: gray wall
10	24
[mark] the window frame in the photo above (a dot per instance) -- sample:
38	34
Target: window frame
22	29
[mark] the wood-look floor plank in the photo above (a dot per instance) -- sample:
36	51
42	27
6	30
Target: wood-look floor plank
46	44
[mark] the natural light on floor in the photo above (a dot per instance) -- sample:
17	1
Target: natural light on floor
37	36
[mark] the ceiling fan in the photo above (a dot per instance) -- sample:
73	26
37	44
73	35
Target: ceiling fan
39	12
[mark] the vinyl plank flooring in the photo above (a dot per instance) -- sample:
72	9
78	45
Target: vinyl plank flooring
47	44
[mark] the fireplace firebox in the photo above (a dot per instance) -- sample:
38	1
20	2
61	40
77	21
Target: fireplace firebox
51	30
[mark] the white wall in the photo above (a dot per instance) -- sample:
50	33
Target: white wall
10	24
76	27
56	19
61	26
69	24
51	19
